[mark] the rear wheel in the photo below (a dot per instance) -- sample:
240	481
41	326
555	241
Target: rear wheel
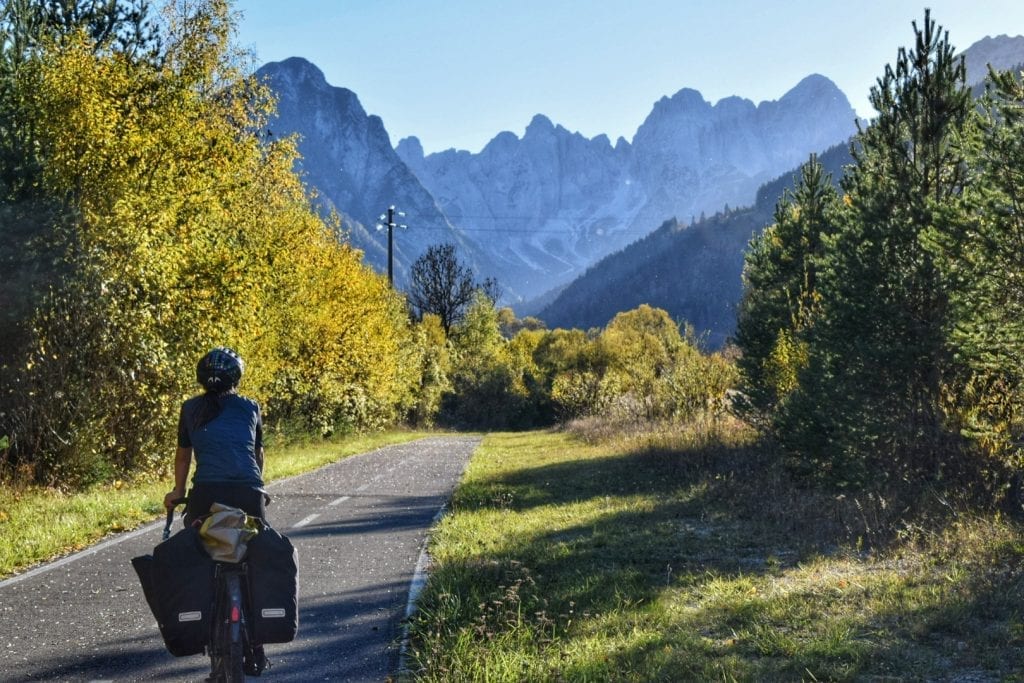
234	662
235	631
227	649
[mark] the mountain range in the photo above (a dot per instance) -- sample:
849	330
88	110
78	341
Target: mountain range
536	212
348	161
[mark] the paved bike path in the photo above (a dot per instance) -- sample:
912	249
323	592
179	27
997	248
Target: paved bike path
358	525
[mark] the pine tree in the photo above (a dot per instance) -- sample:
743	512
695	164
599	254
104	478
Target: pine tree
870	402
781	290
984	257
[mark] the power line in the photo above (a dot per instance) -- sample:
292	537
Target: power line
526	231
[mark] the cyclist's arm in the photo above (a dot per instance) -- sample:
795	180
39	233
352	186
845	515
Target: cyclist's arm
182	462
259	439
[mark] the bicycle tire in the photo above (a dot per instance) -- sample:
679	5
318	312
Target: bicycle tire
227	649
217	638
220	646
235	663
235	631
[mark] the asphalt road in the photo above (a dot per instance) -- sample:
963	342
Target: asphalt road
359	526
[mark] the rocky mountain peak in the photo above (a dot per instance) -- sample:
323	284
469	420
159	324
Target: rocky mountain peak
686	101
295	80
502	143
733	107
297	69
813	86
539	125
410	149
347	155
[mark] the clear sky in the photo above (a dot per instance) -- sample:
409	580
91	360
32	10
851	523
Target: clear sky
457	72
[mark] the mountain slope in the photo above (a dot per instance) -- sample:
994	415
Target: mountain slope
347	157
693	272
1002	52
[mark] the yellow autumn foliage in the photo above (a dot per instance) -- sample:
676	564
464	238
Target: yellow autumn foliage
188	228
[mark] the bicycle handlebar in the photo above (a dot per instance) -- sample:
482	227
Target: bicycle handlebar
183	500
170	516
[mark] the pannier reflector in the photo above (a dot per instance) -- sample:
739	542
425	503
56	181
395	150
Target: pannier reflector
190	616
272	612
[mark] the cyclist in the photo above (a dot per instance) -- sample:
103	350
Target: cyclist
224	431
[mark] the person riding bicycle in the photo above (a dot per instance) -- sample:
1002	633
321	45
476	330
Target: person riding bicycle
224	430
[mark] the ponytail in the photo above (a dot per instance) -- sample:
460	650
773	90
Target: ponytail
209	409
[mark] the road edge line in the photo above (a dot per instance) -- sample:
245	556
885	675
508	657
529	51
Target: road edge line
416	585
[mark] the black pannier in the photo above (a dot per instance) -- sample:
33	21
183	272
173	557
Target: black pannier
273	587
178	582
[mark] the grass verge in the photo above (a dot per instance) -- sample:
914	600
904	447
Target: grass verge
39	524
689	556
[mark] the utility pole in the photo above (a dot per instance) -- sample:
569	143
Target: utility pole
391	225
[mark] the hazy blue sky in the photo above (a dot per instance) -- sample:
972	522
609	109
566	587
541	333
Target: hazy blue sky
456	72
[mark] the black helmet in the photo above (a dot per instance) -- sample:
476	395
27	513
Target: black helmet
220	370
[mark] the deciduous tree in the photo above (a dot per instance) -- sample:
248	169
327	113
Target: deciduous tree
444	286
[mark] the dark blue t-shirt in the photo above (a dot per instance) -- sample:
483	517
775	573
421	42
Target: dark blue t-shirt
226	446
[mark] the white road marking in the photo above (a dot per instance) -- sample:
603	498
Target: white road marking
338	501
305	521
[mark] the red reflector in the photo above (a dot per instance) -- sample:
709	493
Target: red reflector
234	613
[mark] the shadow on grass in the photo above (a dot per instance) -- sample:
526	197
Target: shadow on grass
971	632
676	588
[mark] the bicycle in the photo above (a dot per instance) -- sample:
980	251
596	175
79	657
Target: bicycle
231	650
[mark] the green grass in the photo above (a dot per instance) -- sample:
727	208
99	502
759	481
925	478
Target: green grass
688	556
39	524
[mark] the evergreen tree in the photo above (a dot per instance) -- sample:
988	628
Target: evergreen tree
984	258
872	394
781	290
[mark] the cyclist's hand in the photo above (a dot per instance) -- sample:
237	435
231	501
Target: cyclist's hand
171	497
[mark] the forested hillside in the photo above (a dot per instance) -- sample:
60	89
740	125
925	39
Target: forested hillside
692	271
